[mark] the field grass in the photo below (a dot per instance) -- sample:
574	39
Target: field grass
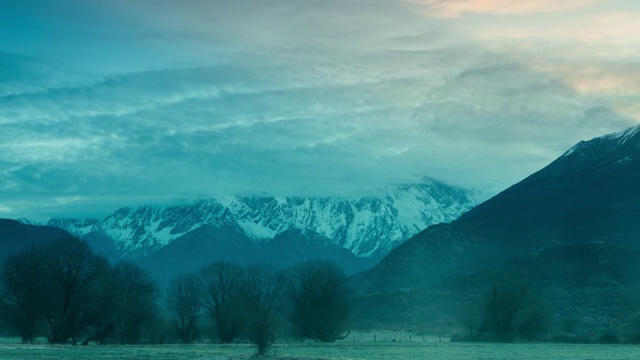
343	351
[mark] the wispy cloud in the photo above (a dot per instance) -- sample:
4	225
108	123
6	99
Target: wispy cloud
458	8
591	47
610	35
305	98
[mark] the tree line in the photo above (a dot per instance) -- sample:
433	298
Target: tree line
257	302
61	290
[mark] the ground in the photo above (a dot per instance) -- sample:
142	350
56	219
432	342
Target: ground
10	350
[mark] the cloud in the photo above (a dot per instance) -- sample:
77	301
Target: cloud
591	47
616	84
608	35
459	8
605	79
318	98
249	132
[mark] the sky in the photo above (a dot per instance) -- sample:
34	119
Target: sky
105	104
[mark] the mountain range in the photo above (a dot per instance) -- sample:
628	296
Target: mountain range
356	232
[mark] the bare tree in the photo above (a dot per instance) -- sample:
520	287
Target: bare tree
184	298
103	316
76	285
263	290
471	317
500	309
137	301
221	296
534	322
64	285
21	295
319	301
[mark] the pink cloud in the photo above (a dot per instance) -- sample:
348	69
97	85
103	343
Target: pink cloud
602	80
618	85
611	35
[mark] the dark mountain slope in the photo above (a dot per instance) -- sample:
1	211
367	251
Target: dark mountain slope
209	243
15	236
569	232
590	181
567	267
295	246
212	242
591	193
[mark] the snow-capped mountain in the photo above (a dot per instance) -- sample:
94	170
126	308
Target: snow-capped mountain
368	226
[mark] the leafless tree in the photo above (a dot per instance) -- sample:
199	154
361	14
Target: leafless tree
103	316
184	298
534	322
65	287
77	283
221	297
21	295
319	301
263	292
500	308
471	317
137	301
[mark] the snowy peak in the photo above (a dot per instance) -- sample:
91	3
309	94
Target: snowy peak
26	221
597	154
607	144
146	229
624	135
437	203
151	228
367	226
81	228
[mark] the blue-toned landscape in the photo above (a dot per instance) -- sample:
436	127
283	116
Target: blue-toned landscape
338	179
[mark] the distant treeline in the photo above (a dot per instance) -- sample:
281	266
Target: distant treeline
61	290
510	312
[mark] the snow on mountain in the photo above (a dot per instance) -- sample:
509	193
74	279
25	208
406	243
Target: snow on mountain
26	221
149	228
368	226
81	228
624	135
611	141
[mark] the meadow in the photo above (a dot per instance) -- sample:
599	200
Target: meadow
342	351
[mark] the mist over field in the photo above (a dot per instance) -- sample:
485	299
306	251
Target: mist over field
436	351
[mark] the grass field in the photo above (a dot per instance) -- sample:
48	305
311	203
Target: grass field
351	351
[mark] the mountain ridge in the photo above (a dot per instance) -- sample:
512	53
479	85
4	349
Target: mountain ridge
366	226
586	200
